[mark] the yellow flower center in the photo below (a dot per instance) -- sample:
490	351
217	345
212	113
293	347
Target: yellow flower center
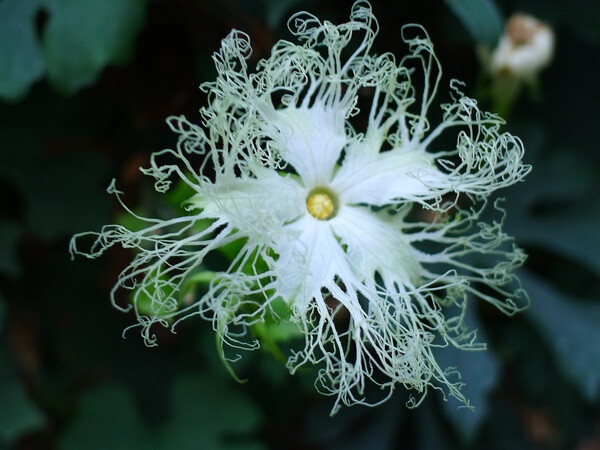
321	204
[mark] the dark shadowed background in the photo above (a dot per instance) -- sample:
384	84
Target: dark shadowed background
85	87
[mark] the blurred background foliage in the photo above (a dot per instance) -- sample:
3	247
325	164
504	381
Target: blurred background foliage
85	87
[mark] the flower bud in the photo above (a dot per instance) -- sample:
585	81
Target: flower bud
525	48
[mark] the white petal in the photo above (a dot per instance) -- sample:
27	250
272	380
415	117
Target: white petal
309	259
379	179
375	243
310	139
256	206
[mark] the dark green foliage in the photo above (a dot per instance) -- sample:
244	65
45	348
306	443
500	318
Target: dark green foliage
481	18
78	40
18	414
85	88
106	414
83	37
208	413
570	326
9	237
481	374
205	414
20	56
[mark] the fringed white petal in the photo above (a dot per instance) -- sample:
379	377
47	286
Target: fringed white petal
310	140
383	178
309	258
375	243
255	206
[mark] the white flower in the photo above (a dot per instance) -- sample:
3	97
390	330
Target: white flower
525	48
349	206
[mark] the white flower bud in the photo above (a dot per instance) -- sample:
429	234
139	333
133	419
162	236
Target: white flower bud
525	48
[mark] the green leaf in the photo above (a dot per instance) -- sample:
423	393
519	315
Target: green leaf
61	193
573	232
83	36
253	264
107	419
144	297
277	328
550	209
131	222
18	414
481	18
64	194
571	327
205	413
180	194
557	176
480	372
21	61
2	313
9	237
202	277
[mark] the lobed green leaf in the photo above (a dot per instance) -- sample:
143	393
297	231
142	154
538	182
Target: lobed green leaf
481	18
83	37
107	418
570	326
205	412
18	414
21	62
